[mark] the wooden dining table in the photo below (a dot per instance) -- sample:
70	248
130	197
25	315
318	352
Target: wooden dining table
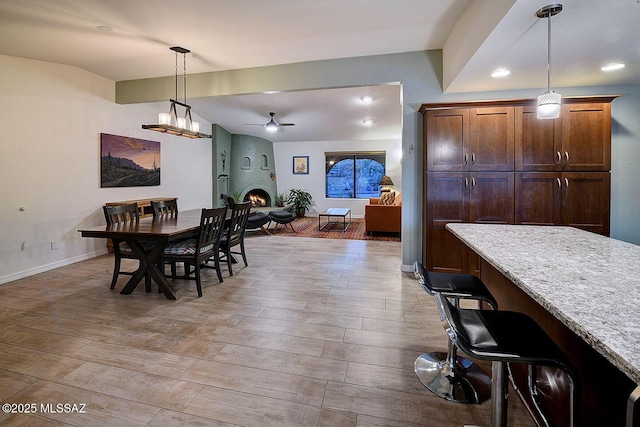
160	231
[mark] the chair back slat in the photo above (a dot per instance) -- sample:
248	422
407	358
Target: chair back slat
211	227
237	222
164	207
121	214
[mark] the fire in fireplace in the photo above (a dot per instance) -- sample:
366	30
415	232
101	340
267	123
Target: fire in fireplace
258	198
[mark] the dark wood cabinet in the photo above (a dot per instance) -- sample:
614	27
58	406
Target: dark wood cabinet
448	134
481	197
496	162
586	136
538	143
579	140
447	201
491	139
577	199
470	139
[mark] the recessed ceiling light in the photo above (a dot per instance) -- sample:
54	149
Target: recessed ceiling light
612	67
366	99
367	122
104	28
500	72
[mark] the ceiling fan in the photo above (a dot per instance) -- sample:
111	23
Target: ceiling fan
271	125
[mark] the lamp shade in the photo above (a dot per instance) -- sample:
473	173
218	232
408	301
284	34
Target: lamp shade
385	180
548	105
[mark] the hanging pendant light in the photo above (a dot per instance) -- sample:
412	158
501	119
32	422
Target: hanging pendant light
170	122
548	104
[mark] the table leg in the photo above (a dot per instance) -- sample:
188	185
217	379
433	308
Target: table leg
148	263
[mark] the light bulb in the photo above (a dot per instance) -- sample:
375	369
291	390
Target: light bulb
164	118
271	127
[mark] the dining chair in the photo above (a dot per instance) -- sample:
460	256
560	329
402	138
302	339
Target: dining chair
234	234
197	250
164	207
122	214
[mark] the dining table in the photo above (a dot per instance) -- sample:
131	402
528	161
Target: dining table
160	232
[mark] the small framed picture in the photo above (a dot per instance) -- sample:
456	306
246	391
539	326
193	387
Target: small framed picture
301	165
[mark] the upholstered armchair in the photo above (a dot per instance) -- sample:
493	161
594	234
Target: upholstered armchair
383	217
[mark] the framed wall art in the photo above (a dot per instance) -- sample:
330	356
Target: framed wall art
301	165
128	162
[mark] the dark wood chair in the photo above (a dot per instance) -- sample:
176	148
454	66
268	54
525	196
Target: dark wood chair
205	246
164	207
119	215
234	233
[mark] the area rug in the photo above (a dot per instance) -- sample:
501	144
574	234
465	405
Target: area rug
308	227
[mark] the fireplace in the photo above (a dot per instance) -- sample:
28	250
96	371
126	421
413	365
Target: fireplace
259	198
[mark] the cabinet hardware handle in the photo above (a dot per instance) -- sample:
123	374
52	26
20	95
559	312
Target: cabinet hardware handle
559	182
566	182
559	157
465	158
566	157
466	182
473	158
473	182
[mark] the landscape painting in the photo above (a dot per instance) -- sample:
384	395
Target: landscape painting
128	162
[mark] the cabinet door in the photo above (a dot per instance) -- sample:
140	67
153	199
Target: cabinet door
586	137
492	139
538	143
585	200
447	133
538	198
447	201
491	198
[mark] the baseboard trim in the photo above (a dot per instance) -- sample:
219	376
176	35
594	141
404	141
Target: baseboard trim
52	266
406	268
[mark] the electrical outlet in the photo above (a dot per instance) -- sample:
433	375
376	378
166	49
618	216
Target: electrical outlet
54	245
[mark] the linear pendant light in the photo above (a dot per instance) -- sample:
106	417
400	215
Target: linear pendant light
170	122
548	104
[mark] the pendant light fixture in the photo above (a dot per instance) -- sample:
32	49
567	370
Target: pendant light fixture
170	122
548	104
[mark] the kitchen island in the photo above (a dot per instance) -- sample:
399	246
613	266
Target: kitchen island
584	290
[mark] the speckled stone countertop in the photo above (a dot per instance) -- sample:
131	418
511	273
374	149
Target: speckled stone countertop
589	282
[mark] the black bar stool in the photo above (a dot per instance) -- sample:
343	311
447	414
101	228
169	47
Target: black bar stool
504	337
452	377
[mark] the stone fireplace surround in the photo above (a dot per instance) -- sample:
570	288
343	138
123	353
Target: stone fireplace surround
250	166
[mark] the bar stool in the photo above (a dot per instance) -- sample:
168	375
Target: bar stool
504	337
452	377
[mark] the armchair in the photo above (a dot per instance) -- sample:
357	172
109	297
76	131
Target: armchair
383	218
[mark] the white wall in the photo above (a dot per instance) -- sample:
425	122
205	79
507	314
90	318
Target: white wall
51	117
314	182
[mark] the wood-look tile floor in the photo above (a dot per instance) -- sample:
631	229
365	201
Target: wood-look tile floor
314	332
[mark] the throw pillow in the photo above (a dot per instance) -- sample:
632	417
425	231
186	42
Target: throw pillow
387	198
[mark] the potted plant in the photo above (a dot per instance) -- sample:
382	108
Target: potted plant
299	201
280	199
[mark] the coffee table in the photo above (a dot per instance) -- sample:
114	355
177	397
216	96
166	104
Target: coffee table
334	213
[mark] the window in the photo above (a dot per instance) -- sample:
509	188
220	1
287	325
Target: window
354	175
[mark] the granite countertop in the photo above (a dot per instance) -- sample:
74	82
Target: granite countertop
591	283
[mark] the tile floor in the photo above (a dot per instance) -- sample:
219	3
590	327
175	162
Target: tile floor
314	332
